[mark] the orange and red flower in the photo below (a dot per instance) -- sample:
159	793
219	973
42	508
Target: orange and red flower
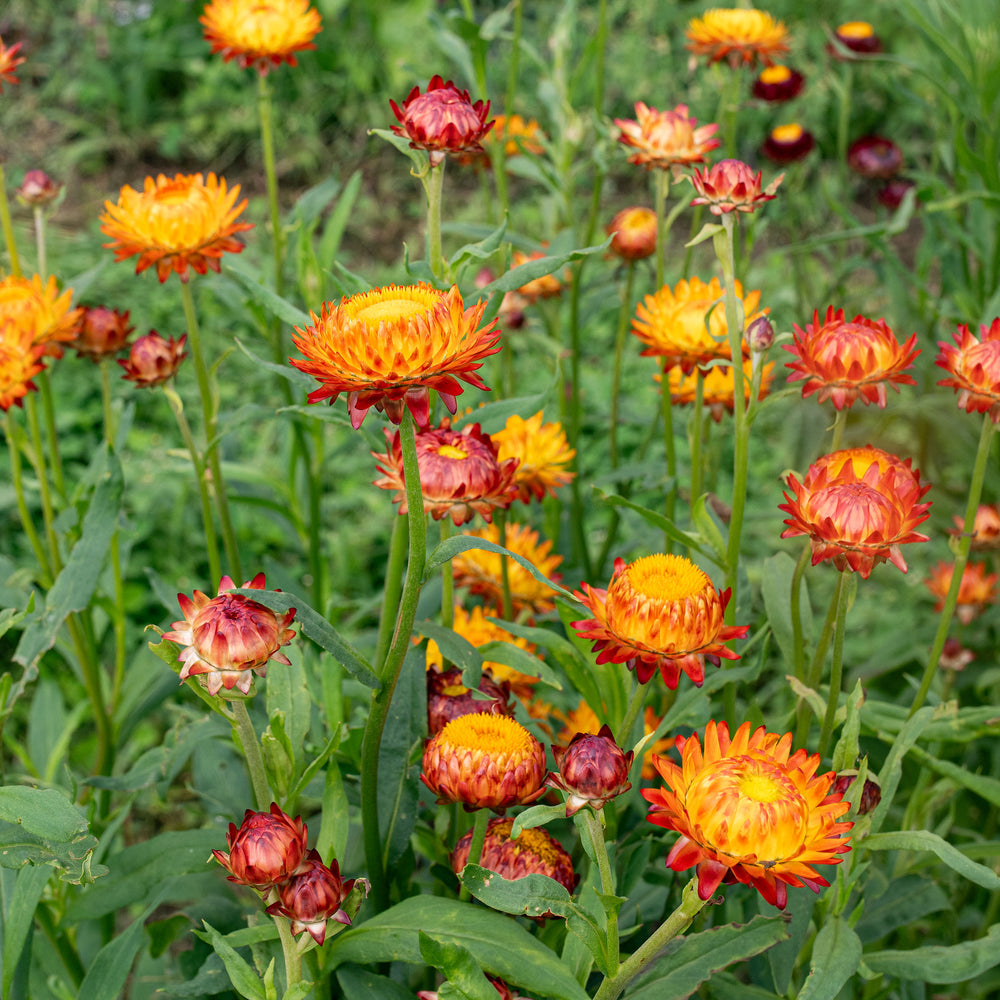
666	139
260	34
731	186
175	223
973	366
102	332
9	61
740	36
20	362
977	588
266	849
659	612
153	359
543	454
857	506
749	810
313	896
39	311
845	361
517	135
633	233
985	527
592	770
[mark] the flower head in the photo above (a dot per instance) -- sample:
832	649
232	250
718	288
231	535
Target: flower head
153	359
38	189
229	638
731	186
9	61
740	36
266	849
875	156
659	612
547	286
748	810
892	193
858	36
20	362
788	143
442	120
593	770
633	233
871	792
40	311
857	506
543	454
175	223
686	325
389	347
973	366
448	698
313	896
484	762
517	135
481	571
985	527
102	332
978	588
845	361
259	34
718	387
777	84
666	139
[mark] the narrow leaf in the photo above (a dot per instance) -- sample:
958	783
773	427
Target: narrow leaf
924	840
274	304
245	981
940	964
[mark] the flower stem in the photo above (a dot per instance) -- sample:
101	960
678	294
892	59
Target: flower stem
961	559
247	738
38	461
632	710
447	581
698	423
434	187
616	380
668	441
479	825
40	242
660	192
816	667
393	586
838	429
595	831
795	612
51	436
840	599
293	960
17	482
264	111
8	228
506	603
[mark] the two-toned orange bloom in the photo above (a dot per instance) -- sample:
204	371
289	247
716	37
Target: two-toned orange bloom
973	366
9	61
741	36
39	312
985	528
732	186
153	360
662	613
686	325
592	770
20	362
102	332
260	35
749	810
977	589
718	389
175	223
857	506
484	762
848	360
543	454
390	347
633	233
267	848
229	638
666	139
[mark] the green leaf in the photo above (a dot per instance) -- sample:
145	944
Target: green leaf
783	957
11	617
531	896
924	840
776	589
311	202
707	232
287	372
939	963
360	984
904	902
519	659
333	231
690	960
660	521
892	769
726	986
982	784
500	946
456	648
272	303
836	955
458	967
518	276
536	816
493	417
29	884
417	156
845	753
482	250
288	693
245	981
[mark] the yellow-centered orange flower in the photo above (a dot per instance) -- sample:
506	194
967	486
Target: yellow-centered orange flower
633	233
9	61
731	186
844	361
481	571
659	612
738	35
175	223
390	347
749	810
543	452
666	139
973	365
39	311
517	135
20	362
718	390
977	589
260	33
857	506
985	527
686	325
484	762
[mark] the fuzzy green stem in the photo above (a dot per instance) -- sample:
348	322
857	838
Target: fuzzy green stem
38	461
247	738
434	186
17	481
64	947
660	193
815	672
840	600
961	559
595	831
395	565
290	950
479	825
506	603
8	227
264	111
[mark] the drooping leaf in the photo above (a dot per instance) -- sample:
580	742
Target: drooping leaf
835	958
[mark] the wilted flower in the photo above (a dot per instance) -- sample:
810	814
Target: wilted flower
871	794
389	347
858	506
731	186
659	612
260	35
442	120
175	223
666	139
547	286
858	36
788	143
634	233
313	896
484	762
543	454
20	362
102	332
266	849
9	61
875	156
153	359
740	36
38	188
39	311
593	770
718	387
977	589
892	193
985	527
748	810
777	84
229	638
448	698
517	135
481	571
974	369
845	361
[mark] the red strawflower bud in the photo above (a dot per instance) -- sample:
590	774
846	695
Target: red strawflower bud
875	156
38	188
634	232
313	896
102	332
731	186
265	850
777	84
871	794
788	143
858	36
592	770
153	359
448	698
892	194
760	334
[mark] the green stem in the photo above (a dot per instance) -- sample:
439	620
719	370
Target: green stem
8	227
434	186
506	602
961	559
247	738
661	190
51	435
264	111
293	960
398	546
696	434
795	611
667	406
479	825
447	581
40	242
17	481
616	380
38	461
632	710
595	830
837	667
839	424
63	945
815	672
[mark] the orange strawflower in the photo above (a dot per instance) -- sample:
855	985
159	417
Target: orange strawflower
517	135
974	369
20	362
686	325
740	36
9	61
548	286
731	186
748	810
666	139
39	311
718	390
102	332
389	347
582	719
977	589
634	232
845	361
153	360
858	506
985	527
660	612
543	452
175	223
481	571
260	33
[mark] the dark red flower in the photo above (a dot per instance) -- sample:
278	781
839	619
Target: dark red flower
875	156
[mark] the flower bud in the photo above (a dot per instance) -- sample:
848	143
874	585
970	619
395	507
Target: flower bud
593	769
38	188
759	335
731	186
313	896
634	232
777	84
892	194
871	794
265	850
788	143
102	332
875	156
153	359
448	698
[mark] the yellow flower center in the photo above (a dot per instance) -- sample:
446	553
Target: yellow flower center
776	74
666	578
450	451
761	787
392	305
787	133
856	29
493	735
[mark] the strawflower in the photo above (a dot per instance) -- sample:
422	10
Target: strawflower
666	139
38	189
662	613
788	143
517	135
718	391
777	84
977	589
857	506
892	193
266	849
848	360
448	698
985	527
313	896
153	360
592	770
20	362
731	186
261	35
740	36
582	719
858	36
175	223
229	638
9	61
543	454
389	347
875	156
973	366
634	233
748	810
102	332
39	311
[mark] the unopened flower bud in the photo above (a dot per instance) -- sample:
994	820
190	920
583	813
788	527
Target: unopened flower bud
266	849
448	698
153	359
634	232
871	794
102	332
857	36
313	896
593	769
38	188
760	335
